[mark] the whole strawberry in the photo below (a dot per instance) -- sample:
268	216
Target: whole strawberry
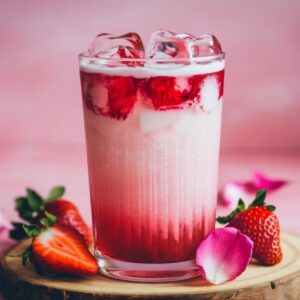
32	207
68	215
261	225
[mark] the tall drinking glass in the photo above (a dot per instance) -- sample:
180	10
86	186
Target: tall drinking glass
152	135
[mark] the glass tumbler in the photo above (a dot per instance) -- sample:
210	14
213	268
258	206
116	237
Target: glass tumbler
152	136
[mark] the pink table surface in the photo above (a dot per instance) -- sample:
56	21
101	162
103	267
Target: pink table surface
43	168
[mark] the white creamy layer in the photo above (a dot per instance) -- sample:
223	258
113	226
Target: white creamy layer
146	121
155	169
155	69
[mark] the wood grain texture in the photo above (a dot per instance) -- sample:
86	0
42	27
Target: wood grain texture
280	282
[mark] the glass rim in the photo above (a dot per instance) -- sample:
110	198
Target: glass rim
203	59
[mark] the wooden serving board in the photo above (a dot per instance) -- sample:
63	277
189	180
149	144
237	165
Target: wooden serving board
281	282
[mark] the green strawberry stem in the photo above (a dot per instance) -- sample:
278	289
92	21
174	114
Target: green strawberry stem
258	201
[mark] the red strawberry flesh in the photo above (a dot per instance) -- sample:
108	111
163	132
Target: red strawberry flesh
62	250
115	96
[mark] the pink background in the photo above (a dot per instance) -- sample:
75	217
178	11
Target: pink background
39	80
41	125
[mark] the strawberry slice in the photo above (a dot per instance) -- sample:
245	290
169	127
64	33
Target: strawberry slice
58	250
62	250
261	225
32	207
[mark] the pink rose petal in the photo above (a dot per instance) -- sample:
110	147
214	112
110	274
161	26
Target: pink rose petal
246	190
262	181
4	223
233	191
223	255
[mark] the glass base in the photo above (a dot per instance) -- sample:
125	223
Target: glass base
140	272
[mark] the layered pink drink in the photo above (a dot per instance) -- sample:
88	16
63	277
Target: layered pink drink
152	133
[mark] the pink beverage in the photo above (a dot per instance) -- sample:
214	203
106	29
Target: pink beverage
152	135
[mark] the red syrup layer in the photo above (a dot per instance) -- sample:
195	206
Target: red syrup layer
123	239
115	96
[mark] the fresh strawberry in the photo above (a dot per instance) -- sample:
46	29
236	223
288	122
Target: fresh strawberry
32	207
261	225
58	250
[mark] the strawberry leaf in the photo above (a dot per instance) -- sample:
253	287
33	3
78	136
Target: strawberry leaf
21	202
226	219
271	207
49	220
241	205
259	199
35	201
17	233
24	210
26	255
32	230
56	193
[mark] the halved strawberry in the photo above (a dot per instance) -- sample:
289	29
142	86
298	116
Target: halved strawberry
32	207
261	225
58	250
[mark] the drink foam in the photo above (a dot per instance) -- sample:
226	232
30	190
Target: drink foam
154	69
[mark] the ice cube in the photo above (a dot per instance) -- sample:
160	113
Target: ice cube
205	45
106	45
167	44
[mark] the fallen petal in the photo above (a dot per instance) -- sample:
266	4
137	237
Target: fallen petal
246	190
4	223
262	181
223	255
234	191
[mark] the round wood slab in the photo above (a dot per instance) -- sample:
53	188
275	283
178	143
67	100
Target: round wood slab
256	283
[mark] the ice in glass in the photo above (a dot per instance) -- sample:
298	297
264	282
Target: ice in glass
152	122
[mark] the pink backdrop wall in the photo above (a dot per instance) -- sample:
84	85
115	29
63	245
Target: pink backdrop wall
40	95
41	125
